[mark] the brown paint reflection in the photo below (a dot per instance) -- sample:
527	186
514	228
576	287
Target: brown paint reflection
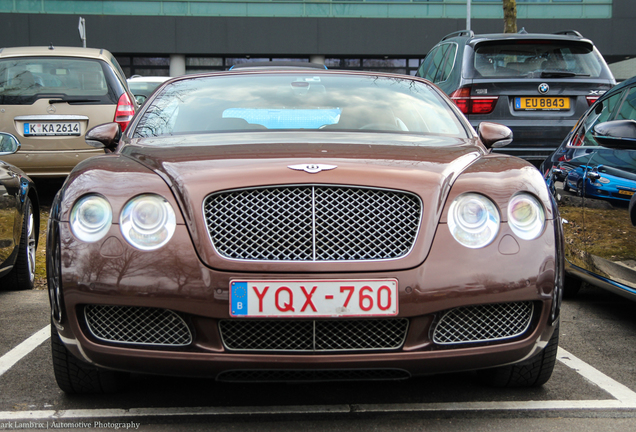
164	271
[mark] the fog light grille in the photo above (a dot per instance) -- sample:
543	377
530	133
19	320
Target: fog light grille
483	323
137	325
313	336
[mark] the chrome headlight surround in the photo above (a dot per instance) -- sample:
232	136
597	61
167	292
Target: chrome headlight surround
526	216
473	220
91	218
147	222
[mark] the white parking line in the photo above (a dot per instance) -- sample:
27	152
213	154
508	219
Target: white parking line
624	398
17	353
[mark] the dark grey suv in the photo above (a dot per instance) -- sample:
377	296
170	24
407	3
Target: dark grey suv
536	84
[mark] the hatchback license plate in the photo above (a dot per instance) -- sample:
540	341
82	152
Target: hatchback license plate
624	192
542	103
313	298
52	129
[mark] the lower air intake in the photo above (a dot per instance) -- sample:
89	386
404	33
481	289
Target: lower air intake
313	335
137	325
483	323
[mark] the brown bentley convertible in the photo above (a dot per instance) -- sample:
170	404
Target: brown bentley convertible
302	225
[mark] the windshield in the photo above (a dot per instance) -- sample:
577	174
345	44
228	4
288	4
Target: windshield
298	101
532	59
23	80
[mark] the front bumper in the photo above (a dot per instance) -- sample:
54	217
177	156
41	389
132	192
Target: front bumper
109	272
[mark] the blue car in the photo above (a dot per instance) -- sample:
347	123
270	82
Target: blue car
614	179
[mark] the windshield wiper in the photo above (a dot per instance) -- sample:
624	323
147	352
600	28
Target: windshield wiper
71	100
559	74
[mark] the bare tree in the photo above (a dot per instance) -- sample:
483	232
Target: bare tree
510	16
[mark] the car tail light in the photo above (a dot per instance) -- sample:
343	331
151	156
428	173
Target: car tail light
473	104
591	99
124	112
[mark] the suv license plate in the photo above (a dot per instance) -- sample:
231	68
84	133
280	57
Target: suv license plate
542	103
52	129
313	298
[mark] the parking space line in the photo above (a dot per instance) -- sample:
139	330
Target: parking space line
611	386
625	399
17	353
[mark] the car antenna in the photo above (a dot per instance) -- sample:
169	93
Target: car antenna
51	47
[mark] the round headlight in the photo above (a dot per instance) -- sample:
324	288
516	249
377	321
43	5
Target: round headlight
473	220
526	216
91	217
147	222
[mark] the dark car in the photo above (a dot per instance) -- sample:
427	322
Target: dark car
299	225
599	235
19	221
536	84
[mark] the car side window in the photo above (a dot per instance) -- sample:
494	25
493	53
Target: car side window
628	108
600	115
426	64
449	62
438	60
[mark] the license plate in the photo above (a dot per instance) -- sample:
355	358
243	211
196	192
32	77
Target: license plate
313	298
51	129
542	103
624	192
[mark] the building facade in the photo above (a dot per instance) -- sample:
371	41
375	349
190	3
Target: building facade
161	37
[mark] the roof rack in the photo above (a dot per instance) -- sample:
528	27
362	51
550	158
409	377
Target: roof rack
468	33
569	33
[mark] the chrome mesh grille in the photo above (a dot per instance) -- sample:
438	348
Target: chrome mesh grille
137	325
313	336
312	223
483	323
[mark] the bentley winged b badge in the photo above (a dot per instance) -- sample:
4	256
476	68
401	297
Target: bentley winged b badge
312	168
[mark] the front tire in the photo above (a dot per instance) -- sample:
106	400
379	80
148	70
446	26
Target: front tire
22	276
533	372
74	376
566	186
579	189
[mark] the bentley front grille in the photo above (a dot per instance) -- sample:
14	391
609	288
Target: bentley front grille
312	223
313	335
137	325
483	323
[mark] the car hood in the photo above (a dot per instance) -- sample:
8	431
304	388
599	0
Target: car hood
196	166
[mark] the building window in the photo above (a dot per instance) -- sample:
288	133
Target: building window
144	65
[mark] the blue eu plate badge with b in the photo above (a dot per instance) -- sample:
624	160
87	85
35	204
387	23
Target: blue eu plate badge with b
239	298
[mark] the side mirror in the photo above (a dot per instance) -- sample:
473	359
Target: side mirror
494	135
140	99
617	134
9	144
104	136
